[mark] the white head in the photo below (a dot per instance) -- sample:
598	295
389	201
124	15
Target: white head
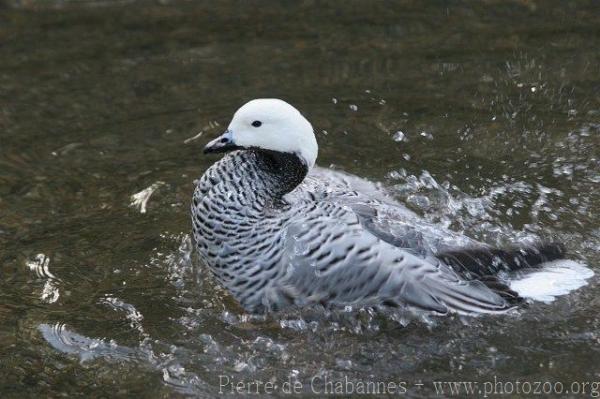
270	124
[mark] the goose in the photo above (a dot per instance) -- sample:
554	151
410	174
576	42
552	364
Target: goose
278	232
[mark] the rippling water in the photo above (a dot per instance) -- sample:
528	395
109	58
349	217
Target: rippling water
484	117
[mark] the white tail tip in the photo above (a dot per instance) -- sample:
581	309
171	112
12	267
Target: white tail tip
553	279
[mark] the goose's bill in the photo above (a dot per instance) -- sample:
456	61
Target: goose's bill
223	143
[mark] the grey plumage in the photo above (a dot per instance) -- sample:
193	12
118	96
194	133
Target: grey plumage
275	239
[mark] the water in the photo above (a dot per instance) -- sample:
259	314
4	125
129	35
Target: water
101	109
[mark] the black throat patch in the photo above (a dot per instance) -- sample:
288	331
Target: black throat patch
287	168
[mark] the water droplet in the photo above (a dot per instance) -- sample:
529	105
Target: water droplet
399	136
344	364
427	135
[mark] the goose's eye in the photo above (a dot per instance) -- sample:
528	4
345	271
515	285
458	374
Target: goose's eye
256	123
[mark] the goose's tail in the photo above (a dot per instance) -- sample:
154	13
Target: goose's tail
538	272
553	279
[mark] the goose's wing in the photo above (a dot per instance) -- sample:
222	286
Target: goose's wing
468	257
331	258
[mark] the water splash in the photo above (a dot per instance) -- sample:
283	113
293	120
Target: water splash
64	340
40	265
477	216
193	138
134	317
140	200
179	262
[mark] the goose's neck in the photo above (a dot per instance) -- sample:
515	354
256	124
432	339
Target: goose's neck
253	179
282	171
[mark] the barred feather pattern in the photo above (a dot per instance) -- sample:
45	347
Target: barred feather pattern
275	239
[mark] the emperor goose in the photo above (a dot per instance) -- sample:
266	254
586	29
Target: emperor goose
278	232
